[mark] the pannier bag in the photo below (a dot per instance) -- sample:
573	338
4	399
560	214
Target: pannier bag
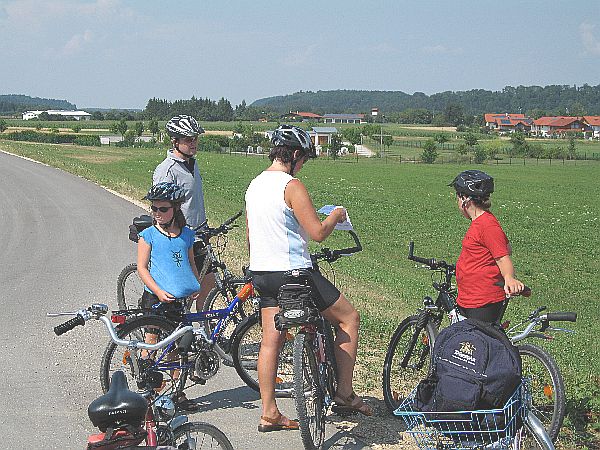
296	305
139	224
475	367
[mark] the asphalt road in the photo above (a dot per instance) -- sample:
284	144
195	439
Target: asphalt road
63	242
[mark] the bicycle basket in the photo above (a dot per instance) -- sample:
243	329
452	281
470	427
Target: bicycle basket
296	306
139	224
465	430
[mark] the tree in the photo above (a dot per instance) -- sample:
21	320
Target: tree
440	138
454	114
571	148
352	135
120	127
479	154
429	154
335	146
97	115
470	140
76	127
153	127
139	128
519	145
3	125
387	140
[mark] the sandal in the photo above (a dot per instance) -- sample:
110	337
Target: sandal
275	424
182	403
350	405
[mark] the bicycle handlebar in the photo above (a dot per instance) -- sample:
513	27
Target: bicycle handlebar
562	317
69	325
97	312
207	233
333	255
432	263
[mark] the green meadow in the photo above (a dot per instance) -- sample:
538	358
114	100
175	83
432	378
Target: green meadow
551	215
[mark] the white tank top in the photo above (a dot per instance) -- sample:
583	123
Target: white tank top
277	241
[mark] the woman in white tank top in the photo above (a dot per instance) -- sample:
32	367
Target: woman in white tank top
281	219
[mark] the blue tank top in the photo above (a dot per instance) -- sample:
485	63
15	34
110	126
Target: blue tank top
169	262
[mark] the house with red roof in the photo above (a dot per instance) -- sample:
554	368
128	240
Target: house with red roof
559	126
508	123
302	116
594	123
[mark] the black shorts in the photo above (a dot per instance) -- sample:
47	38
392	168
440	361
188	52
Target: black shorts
268	284
490	313
148	300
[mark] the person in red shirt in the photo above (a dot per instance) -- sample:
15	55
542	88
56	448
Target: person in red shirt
485	274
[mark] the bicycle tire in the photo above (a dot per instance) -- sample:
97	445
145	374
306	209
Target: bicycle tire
129	288
244	351
206	436
217	299
309	395
547	388
329	338
116	357
398	381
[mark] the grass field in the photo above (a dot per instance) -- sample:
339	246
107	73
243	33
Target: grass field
551	215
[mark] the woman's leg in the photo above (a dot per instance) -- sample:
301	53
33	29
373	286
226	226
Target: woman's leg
268	355
347	321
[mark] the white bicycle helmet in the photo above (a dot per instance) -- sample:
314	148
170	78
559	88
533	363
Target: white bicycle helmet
294	137
183	126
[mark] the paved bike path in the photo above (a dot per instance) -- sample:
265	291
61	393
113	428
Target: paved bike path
63	242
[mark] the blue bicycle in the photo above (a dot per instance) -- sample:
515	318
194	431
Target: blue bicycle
190	360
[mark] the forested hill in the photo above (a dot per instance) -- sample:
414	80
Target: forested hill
553	99
14	104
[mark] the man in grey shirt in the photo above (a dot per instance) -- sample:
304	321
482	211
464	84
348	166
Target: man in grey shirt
180	167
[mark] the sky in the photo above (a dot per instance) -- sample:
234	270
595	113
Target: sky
120	53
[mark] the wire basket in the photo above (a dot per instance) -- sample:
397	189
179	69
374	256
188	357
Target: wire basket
468	430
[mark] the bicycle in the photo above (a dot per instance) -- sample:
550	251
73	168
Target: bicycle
126	418
195	358
409	353
314	364
130	287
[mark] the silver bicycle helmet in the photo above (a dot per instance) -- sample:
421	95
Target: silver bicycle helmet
473	183
166	191
294	137
183	126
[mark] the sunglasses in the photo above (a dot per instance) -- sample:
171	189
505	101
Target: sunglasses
189	140
162	209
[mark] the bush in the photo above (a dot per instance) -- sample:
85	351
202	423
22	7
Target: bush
479	154
429	154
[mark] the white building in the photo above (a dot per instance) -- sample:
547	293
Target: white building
77	115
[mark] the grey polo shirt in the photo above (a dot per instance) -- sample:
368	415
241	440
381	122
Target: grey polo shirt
173	169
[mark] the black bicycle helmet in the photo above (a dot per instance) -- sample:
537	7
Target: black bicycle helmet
183	126
473	183
294	137
166	191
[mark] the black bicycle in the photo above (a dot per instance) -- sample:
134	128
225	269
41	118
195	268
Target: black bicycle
409	354
314	364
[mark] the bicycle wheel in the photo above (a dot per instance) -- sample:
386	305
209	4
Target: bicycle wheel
407	361
217	299
328	333
308	393
119	358
199	436
244	351
548	401
129	288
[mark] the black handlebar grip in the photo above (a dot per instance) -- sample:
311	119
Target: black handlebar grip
69	325
562	317
411	249
233	218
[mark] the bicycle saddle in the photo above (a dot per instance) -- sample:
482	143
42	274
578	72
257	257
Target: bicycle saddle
118	406
142	222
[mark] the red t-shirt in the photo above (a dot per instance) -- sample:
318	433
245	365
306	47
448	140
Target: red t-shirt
476	268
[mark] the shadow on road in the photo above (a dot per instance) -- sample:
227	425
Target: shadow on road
240	397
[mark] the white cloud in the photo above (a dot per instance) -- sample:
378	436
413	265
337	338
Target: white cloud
76	43
590	43
442	50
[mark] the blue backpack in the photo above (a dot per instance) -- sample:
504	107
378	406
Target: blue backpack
475	366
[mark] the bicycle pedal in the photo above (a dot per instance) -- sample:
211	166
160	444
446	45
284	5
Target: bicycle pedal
198	380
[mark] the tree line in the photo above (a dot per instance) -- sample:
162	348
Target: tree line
398	106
